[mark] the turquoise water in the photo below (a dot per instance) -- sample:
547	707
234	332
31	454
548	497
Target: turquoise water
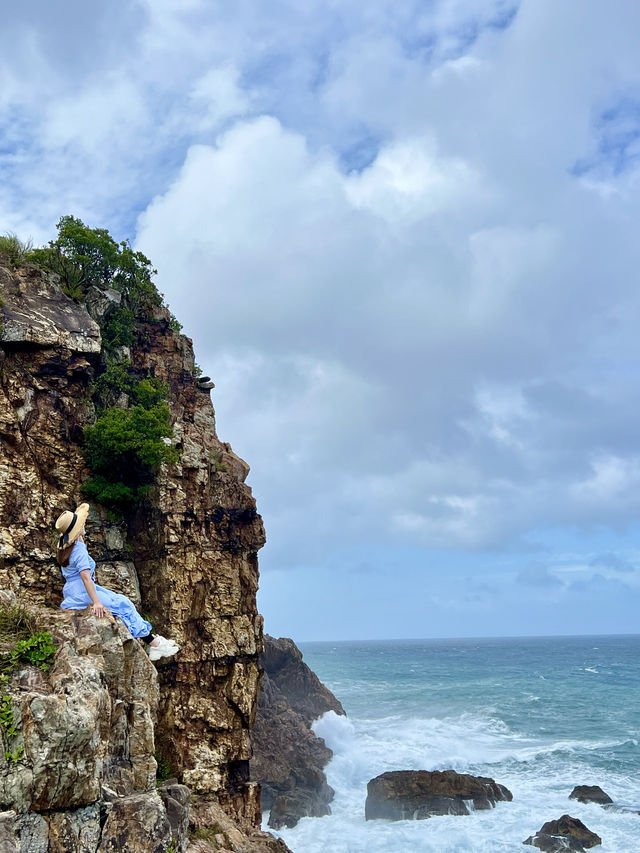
538	715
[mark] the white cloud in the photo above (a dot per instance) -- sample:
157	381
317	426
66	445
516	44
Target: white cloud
408	182
420	316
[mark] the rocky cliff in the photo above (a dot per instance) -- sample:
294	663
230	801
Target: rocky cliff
187	555
289	759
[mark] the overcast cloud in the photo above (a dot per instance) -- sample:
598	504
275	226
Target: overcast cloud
403	237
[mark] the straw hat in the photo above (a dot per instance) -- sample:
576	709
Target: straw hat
70	524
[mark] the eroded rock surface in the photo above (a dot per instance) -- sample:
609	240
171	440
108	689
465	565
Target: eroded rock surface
189	555
84	743
419	794
213	832
566	833
289	759
36	312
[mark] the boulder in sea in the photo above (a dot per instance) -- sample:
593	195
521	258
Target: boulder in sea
590	794
566	833
419	794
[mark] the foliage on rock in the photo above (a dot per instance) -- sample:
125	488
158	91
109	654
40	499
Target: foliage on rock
84	256
14	251
38	650
21	643
125	448
16	623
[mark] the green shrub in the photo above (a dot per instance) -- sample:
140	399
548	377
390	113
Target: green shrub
21	643
124	449
83	256
149	392
120	378
37	650
6	717
8	725
15	756
163	769
117	496
119	329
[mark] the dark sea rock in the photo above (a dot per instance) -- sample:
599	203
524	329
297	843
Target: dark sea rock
566	833
303	690
419	794
288	758
590	794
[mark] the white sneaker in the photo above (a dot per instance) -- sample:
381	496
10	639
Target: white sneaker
164	649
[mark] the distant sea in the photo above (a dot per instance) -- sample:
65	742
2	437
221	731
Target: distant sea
538	715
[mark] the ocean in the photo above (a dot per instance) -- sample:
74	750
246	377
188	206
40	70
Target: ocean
538	715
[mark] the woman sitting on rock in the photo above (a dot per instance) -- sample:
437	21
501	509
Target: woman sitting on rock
80	588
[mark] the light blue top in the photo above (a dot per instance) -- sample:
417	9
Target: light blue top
76	597
79	560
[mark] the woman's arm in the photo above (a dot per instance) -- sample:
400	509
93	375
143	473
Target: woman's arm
98	607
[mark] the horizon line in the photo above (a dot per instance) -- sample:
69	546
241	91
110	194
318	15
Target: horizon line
470	637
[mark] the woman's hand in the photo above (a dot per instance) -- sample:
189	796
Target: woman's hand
99	609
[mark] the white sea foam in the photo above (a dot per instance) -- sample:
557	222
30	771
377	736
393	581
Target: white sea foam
531	714
539	774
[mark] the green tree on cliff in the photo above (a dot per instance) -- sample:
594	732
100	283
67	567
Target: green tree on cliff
84	256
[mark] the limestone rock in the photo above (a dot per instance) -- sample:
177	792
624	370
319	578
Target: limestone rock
88	723
590	794
211	831
120	576
101	302
136	823
191	550
566	833
36	311
176	802
8	843
419	794
288	758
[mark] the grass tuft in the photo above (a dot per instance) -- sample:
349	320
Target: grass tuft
14	251
16	623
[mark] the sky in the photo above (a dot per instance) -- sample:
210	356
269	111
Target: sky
403	237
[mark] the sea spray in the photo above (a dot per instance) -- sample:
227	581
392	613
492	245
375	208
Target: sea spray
528	713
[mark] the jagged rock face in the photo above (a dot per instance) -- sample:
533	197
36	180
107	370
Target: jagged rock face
85	743
189	556
289	759
44	406
195	550
305	693
35	314
419	794
213	832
